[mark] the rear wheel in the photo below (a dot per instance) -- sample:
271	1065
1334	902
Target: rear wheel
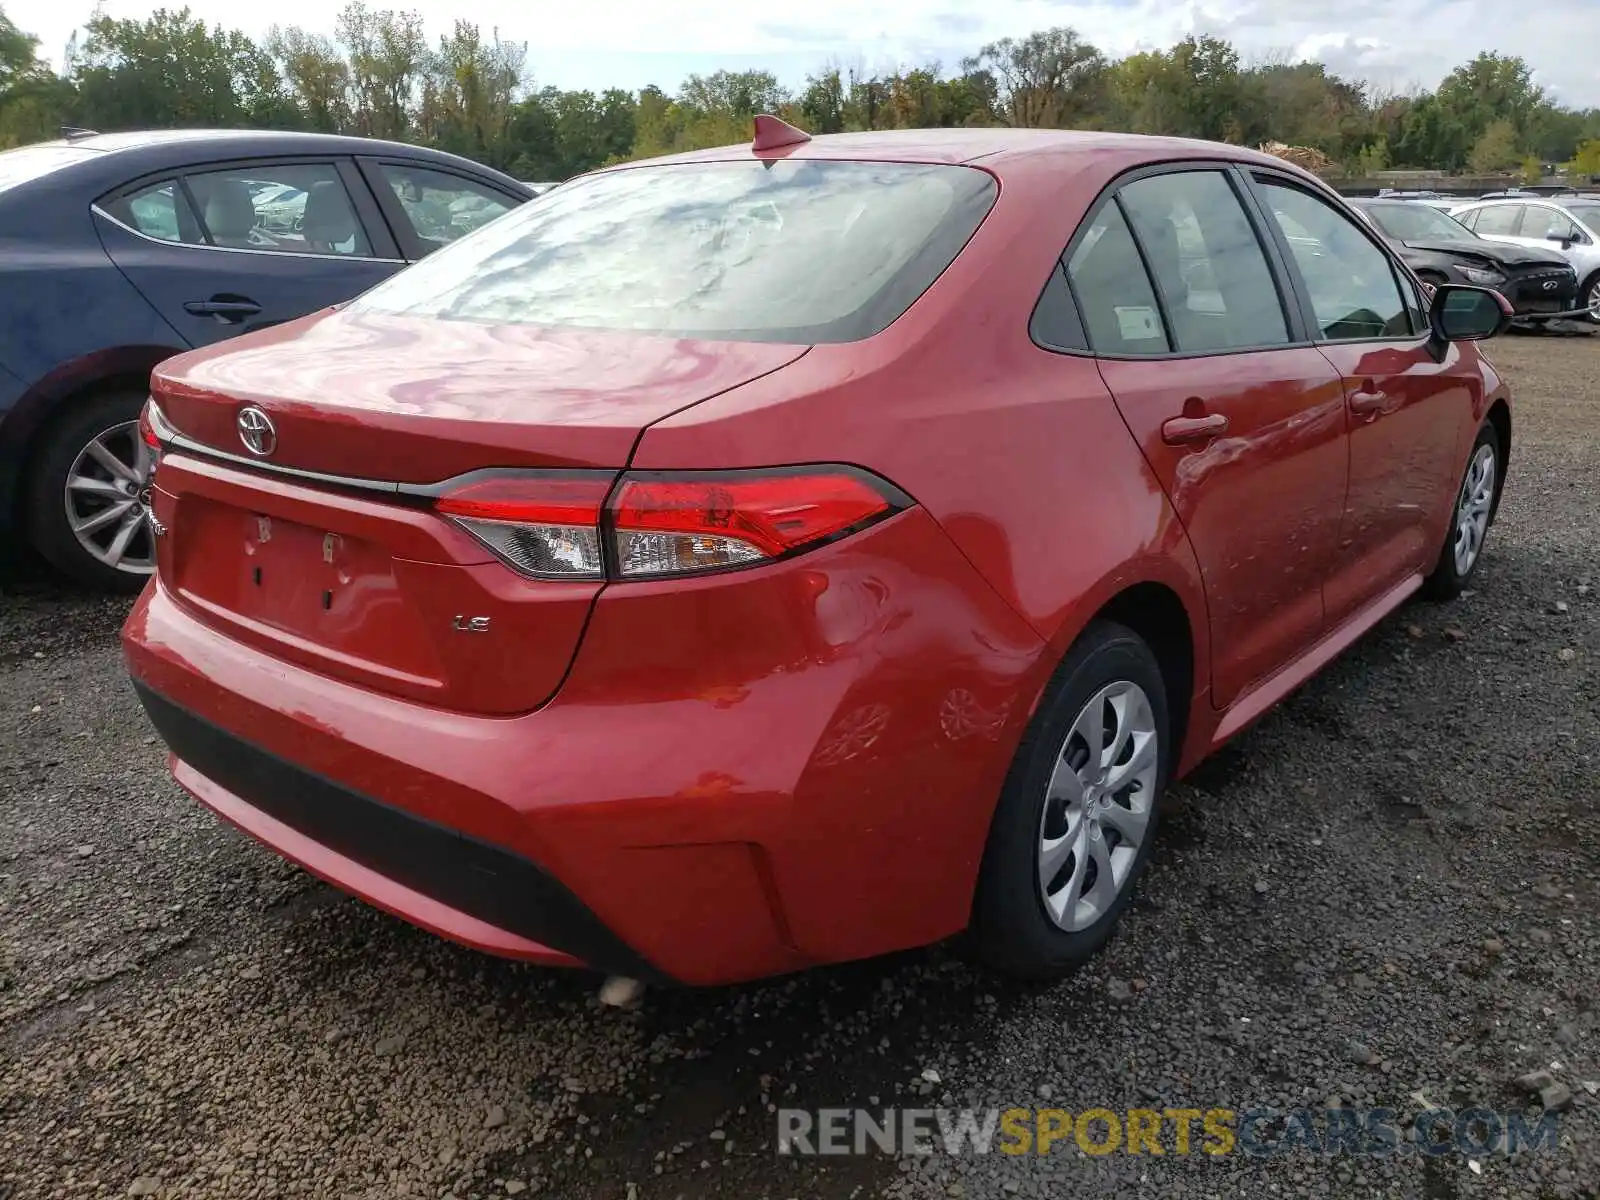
1077	817
1469	519
87	501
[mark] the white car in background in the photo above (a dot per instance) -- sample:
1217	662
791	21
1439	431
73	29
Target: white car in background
280	207
1570	224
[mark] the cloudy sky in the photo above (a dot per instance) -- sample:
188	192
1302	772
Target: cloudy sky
1395	44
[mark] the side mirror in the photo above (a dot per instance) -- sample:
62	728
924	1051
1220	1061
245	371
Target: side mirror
1564	238
1467	314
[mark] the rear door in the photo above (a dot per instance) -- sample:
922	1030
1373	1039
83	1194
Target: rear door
1240	419
226	248
1409	412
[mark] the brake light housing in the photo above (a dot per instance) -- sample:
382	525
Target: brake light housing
152	424
663	524
541	526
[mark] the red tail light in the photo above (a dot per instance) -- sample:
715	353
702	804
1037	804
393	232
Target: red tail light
545	527
664	523
147	429
151	424
675	524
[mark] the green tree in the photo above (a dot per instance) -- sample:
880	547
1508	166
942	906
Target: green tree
169	70
822	102
738	94
1302	104
1434	135
316	74
388	56
33	101
1049	79
1492	87
378	76
468	94
19	55
1586	161
1496	150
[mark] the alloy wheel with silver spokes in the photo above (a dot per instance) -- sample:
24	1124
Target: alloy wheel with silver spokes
107	498
1593	300
1472	509
1098	806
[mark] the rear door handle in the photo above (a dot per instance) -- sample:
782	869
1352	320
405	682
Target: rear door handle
1180	431
1368	402
228	309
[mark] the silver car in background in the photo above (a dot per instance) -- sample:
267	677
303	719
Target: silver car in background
1570	224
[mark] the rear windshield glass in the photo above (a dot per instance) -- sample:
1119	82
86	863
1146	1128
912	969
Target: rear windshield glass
19	166
791	251
1411	222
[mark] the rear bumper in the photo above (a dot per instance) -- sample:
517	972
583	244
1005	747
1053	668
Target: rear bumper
473	892
742	775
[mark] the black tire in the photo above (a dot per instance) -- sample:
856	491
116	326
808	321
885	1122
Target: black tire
1011	930
44	513
1447	580
1585	290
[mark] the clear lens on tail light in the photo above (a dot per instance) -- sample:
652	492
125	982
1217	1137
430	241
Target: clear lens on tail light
150	425
691	522
677	553
544	527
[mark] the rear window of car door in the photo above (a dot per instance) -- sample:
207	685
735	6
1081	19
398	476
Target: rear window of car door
440	207
1498	220
1351	284
1216	288
1115	297
290	208
158	210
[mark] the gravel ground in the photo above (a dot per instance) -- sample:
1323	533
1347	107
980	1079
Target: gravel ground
1384	895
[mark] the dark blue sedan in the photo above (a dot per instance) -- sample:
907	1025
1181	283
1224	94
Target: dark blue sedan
118	250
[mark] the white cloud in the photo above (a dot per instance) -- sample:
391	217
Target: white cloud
598	43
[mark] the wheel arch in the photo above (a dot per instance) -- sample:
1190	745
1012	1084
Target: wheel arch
1161	598
53	398
1157	614
1499	416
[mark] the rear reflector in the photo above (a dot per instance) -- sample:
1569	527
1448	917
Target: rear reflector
664	523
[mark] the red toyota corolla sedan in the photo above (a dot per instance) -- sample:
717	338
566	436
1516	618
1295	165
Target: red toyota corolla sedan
803	550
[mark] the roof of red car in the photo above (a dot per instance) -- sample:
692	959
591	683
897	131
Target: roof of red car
994	146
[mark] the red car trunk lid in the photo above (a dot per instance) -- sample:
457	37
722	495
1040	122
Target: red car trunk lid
417	400
375	588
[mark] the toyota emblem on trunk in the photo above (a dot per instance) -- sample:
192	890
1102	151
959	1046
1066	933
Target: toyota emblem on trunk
256	431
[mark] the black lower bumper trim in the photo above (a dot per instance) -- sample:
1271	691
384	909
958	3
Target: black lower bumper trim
482	880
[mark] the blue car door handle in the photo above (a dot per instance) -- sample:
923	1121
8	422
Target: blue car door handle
226	308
